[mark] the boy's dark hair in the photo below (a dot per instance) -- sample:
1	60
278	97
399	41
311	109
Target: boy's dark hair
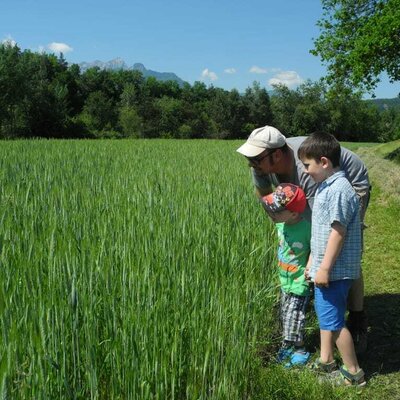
320	144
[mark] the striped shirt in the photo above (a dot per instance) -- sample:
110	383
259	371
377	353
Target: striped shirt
336	201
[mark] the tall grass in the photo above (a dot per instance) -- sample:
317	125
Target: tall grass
131	270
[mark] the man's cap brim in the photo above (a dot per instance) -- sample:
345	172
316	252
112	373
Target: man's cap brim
248	150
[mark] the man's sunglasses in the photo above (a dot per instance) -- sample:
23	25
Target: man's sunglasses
258	160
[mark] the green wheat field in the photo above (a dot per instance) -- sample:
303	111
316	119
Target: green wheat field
131	270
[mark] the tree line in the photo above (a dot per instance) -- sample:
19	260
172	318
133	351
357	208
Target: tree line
42	96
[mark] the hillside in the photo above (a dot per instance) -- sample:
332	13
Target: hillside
384	104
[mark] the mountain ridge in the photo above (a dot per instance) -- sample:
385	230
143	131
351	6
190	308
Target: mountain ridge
385	103
119	64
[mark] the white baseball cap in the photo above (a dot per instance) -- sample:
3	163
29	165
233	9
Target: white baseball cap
260	139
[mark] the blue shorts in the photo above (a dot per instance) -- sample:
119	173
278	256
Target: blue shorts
330	304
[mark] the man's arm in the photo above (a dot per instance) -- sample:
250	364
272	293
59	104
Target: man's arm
332	251
356	172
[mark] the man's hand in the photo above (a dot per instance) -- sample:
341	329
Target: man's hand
322	277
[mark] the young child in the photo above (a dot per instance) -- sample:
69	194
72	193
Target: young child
335	254
285	207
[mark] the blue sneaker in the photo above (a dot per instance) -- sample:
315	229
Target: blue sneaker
284	354
298	358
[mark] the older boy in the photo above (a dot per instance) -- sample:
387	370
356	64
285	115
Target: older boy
285	207
335	252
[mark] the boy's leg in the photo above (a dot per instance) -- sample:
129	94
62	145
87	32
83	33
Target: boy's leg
327	339
344	343
293	309
294	317
286	349
330	306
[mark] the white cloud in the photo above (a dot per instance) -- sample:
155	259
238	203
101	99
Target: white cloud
230	71
258	70
207	74
59	47
287	78
9	41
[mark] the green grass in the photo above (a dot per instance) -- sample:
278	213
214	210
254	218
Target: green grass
385	148
131	270
382	301
354	146
382	280
145	270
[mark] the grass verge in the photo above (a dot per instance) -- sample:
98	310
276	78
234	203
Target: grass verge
382	281
382	301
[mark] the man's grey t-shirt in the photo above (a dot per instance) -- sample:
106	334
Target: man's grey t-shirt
350	163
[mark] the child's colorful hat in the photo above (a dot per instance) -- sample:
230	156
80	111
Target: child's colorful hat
285	197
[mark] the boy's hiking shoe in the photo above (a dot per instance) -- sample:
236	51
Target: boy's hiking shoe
298	358
324	368
343	377
329	373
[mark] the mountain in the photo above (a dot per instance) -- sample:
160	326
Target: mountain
118	64
384	104
115	64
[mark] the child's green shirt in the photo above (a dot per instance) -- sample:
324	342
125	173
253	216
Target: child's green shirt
293	253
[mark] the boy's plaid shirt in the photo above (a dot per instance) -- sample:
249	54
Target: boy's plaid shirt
336	200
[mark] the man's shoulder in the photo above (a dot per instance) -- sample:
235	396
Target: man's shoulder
351	161
295	141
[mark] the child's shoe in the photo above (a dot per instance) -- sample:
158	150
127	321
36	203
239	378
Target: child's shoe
284	353
298	358
343	377
323	368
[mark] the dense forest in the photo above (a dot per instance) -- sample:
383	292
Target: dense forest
42	96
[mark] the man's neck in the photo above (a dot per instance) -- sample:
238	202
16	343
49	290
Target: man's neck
286	164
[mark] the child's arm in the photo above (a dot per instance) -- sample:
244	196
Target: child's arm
308	266
333	248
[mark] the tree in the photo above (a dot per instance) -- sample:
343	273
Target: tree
258	102
12	90
390	124
170	116
284	102
130	122
98	113
359	40
311	113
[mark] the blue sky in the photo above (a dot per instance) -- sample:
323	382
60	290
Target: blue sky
228	44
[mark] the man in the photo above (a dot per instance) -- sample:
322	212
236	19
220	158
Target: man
273	159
